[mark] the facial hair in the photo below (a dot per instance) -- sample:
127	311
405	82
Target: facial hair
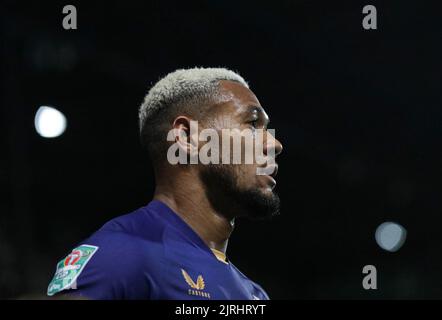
227	197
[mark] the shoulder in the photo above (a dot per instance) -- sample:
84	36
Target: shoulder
129	240
141	223
261	294
118	261
258	292
118	249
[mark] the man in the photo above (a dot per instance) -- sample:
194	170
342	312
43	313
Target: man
175	247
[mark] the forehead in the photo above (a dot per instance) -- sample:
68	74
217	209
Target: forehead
236	97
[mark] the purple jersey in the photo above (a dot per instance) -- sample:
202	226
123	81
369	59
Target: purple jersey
150	253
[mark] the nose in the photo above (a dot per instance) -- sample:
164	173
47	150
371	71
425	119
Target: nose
272	145
278	147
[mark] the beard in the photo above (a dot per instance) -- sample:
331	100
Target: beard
228	198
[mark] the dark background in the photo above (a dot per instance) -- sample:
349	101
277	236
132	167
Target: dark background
358	112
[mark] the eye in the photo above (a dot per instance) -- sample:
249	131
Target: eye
254	123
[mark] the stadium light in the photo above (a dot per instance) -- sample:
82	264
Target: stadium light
49	122
390	236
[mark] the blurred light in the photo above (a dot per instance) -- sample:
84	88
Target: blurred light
390	236
49	122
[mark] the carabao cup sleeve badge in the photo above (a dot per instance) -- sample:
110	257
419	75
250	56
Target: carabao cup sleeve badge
69	268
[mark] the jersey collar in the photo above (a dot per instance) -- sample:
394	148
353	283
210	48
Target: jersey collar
173	218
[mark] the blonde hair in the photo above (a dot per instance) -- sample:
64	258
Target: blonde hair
182	86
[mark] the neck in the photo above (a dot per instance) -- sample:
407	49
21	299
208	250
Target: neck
186	196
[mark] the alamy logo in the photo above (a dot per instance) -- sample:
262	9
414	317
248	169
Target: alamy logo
370	20
370	280
230	146
70	20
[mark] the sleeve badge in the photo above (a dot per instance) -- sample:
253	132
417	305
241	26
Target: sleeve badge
69	268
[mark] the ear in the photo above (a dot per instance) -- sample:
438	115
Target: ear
186	134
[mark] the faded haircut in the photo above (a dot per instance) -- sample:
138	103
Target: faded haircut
185	91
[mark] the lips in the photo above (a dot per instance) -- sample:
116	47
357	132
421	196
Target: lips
275	171
272	182
270	173
270	170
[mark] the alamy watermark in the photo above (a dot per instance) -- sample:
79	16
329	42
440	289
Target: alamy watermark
370	21
70	20
370	281
232	146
